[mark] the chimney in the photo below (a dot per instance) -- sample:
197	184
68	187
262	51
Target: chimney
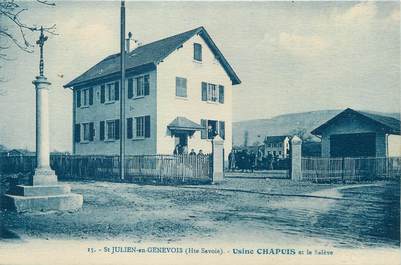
128	42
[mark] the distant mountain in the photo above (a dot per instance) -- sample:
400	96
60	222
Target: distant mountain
258	129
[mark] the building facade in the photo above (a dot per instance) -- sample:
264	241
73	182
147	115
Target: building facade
359	134
178	91
277	146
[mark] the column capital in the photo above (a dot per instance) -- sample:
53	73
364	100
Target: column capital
41	80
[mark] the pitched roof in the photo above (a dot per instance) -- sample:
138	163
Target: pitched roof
275	139
388	124
182	123
151	54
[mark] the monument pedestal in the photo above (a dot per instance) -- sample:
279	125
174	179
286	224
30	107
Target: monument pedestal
43	198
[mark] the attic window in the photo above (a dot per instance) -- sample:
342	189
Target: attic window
197	52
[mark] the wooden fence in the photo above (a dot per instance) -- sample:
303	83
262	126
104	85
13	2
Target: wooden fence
144	168
350	169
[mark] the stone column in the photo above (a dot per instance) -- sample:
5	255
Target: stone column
296	158
43	174
218	159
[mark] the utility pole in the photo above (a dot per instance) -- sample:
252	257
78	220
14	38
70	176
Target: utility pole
122	93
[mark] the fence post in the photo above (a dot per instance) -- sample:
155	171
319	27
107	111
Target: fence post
218	159
296	158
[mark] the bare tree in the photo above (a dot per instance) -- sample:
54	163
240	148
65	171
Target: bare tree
14	31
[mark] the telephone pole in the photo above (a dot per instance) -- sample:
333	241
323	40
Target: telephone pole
122	93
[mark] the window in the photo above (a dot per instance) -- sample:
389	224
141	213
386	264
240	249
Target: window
84	97
111	93
111	130
142	127
211	128
86	132
142	86
197	52
212	92
181	87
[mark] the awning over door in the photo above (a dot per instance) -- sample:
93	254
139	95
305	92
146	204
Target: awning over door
183	125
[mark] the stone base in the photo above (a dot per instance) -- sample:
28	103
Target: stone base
44	176
43	198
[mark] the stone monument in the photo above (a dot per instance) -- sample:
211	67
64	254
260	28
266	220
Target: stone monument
44	192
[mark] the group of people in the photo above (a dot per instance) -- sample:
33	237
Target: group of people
246	160
183	150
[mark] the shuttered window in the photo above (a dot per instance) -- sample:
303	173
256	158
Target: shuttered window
181	87
197	52
142	127
212	92
110	130
85	132
142	86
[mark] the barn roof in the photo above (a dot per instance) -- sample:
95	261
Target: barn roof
388	124
151	54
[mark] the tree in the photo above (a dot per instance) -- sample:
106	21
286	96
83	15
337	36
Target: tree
301	133
14	31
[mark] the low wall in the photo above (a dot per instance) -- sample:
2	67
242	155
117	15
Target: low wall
263	174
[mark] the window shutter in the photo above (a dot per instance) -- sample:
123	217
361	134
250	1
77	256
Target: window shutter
204	91
101	130
147	126
221	94
129	128
130	88
91	131
222	129
91	96
117	90
102	94
204	129
77	133
117	129
146	85
78	98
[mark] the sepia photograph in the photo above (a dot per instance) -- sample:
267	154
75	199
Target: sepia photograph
200	132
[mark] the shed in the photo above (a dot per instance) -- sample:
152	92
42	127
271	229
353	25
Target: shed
354	133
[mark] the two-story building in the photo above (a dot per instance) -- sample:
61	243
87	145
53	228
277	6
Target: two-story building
178	90
277	146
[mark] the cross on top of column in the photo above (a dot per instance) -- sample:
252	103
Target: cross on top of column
41	42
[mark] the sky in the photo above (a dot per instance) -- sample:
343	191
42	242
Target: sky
291	56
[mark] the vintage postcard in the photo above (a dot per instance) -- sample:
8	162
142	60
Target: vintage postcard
218	132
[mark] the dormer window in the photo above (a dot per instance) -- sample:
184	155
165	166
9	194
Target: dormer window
197	52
